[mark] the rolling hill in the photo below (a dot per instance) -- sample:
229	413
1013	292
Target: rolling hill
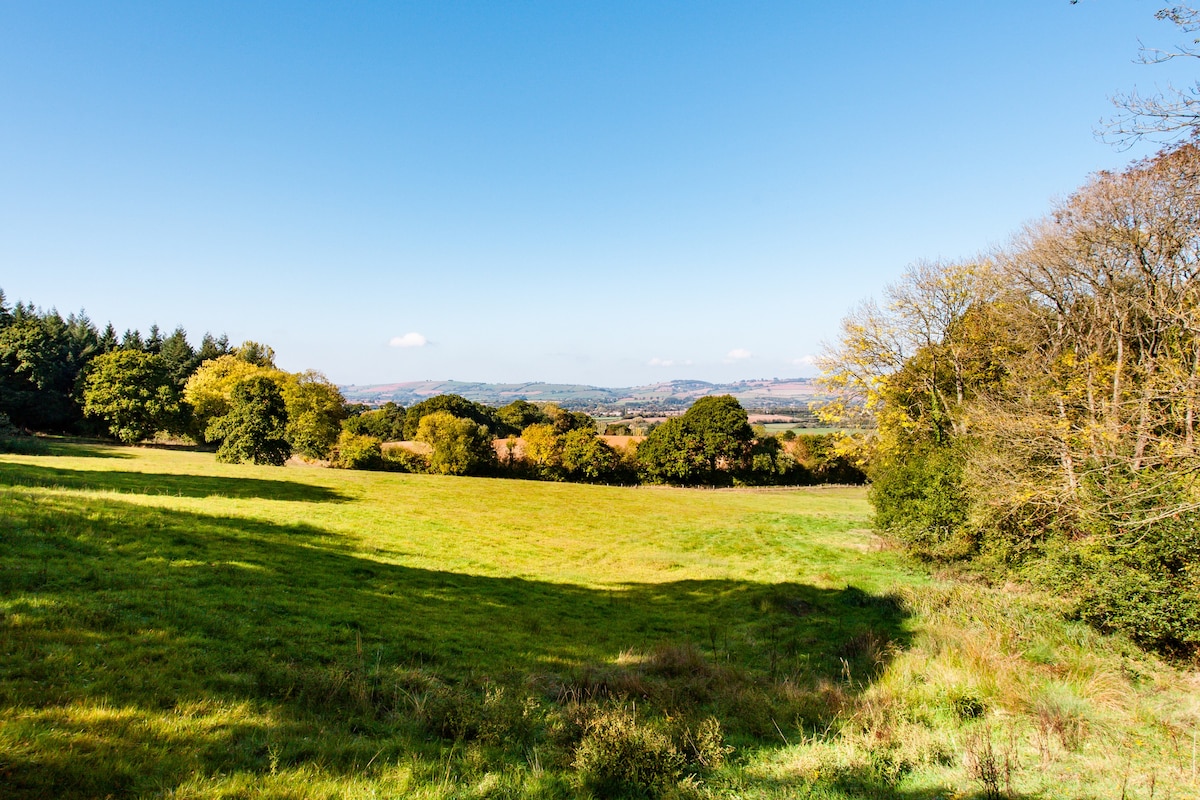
765	393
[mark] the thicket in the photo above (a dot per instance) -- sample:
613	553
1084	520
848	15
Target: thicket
1036	409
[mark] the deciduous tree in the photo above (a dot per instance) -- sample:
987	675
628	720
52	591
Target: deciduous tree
255	428
134	394
315	410
460	446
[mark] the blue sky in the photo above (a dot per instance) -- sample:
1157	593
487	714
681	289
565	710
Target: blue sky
595	192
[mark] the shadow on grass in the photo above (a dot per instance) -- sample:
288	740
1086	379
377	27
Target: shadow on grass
80	448
158	483
114	617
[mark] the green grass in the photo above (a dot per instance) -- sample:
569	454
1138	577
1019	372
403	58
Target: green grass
174	627
799	430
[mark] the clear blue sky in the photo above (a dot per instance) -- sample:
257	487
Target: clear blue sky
596	192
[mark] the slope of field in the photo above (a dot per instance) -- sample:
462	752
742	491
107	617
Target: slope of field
174	627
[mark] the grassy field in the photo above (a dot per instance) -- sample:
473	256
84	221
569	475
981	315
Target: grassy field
173	627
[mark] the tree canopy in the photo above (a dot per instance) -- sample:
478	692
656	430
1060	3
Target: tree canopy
453	404
460	445
709	443
134	393
255	427
1041	404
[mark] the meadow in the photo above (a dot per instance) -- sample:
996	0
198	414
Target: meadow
174	627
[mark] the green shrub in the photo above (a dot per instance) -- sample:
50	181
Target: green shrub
1145	582
703	746
967	704
495	714
922	503
357	451
399	459
622	757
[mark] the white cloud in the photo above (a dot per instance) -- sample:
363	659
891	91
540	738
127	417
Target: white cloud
805	361
738	354
660	362
413	339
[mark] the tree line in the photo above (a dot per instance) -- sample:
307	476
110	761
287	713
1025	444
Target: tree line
67	376
1036	408
711	444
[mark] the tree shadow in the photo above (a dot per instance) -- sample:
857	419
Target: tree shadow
80	448
157	611
160	483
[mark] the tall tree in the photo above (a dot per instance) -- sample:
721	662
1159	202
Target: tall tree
709	444
41	358
460	446
211	348
255	429
1166	115
315	412
209	391
133	393
256	353
179	356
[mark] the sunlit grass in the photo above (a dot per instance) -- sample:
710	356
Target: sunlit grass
170	626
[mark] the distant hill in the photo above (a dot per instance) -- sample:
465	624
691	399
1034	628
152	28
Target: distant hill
773	393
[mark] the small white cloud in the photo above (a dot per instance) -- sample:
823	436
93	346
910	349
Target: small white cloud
738	354
409	340
805	361
660	362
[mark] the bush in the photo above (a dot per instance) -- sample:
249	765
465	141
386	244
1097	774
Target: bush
1145	582
498	715
356	451
922	503
399	459
621	757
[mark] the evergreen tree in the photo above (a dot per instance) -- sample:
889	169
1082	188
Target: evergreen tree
179	356
108	339
211	348
132	340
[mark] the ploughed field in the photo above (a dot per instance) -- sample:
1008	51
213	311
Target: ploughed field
173	627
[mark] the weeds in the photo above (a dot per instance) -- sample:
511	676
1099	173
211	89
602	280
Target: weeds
993	768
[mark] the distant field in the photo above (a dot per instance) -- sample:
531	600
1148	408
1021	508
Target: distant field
780	427
174	627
